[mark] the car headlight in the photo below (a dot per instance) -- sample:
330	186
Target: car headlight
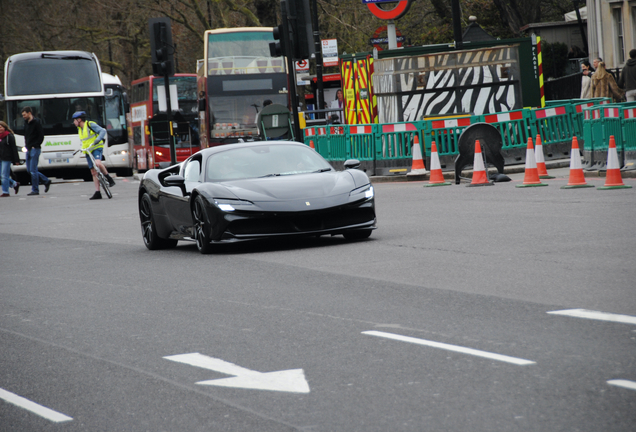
229	205
120	152
367	190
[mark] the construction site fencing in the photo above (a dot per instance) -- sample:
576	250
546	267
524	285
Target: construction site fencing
386	149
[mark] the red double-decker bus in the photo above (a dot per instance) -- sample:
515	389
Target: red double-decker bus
149	127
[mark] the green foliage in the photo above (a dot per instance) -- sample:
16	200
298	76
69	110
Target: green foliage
555	59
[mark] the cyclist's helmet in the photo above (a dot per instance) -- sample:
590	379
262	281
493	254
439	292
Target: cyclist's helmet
80	115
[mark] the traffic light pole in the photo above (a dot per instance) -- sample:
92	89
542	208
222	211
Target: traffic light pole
318	53
289	55
173	150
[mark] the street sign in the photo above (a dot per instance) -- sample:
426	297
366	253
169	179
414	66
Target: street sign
401	8
330	52
291	381
376	40
302	66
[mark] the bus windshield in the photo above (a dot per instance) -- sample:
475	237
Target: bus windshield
225	109
55	114
239	44
115	116
186	103
51	74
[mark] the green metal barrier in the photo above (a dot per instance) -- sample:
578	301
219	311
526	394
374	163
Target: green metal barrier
592	133
386	149
446	132
318	135
628	120
395	147
556	128
600	123
515	129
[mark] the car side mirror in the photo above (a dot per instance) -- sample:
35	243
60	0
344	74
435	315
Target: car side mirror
352	164
177	181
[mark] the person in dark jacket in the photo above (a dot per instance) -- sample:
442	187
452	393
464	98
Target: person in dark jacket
8	155
628	77
33	137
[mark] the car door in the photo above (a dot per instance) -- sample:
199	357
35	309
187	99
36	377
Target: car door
179	211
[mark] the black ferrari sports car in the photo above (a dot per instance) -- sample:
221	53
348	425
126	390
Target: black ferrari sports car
255	190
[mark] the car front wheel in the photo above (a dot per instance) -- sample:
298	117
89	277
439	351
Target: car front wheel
201	225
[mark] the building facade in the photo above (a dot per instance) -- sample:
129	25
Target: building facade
611	28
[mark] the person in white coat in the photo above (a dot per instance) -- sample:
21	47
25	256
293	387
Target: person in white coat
586	80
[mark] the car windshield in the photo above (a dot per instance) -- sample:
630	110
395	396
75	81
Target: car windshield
264	161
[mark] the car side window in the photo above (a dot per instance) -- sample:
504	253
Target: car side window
193	171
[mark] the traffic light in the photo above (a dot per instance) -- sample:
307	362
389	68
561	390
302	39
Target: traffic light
299	15
277	49
161	48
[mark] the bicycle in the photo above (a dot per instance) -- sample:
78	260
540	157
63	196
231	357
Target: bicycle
100	176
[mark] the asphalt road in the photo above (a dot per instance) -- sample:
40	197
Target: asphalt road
442	321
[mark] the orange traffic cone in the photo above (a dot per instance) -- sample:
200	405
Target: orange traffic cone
538	155
577	178
613	179
531	178
437	178
418	162
479	170
311	144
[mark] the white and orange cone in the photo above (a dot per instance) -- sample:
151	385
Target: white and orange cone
480	178
418	162
531	177
538	155
577	178
613	179
437	178
311	144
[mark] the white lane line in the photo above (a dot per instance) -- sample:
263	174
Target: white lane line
455	348
623	383
596	315
40	410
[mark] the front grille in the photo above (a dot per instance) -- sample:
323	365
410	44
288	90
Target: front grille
296	223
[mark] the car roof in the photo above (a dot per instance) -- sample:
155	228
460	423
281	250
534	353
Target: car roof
226	147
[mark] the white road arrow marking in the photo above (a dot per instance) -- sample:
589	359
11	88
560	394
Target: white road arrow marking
595	315
291	381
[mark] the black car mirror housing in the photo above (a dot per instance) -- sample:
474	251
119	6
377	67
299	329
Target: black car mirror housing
177	181
352	164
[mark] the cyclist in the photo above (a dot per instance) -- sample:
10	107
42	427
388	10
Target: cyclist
91	133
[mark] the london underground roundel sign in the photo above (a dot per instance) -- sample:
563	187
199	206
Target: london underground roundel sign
400	8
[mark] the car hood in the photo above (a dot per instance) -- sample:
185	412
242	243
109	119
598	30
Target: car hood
292	187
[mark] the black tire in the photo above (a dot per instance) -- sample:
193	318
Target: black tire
357	235
201	225
104	183
148	229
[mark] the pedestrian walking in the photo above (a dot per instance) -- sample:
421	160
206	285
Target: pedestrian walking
627	80
604	84
8	155
586	80
92	135
33	137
